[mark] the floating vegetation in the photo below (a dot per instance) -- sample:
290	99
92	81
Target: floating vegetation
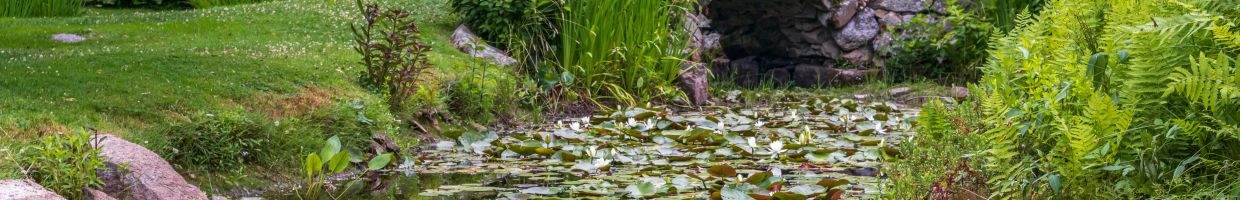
816	148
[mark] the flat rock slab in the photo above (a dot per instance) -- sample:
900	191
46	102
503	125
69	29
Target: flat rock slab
466	41
25	189
68	38
144	176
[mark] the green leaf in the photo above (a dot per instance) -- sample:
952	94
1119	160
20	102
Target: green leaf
330	148
339	163
1054	182
380	161
313	165
1179	170
721	171
831	182
788	196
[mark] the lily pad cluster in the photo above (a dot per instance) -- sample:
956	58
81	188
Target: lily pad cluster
818	148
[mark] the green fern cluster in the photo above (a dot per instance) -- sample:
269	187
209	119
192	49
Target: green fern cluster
1115	98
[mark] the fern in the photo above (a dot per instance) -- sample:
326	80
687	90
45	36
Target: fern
1213	83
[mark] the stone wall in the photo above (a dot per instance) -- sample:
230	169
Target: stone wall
809	42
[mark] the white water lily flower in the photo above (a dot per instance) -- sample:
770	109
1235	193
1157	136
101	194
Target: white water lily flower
753	142
776	148
576	126
759	124
878	128
631	122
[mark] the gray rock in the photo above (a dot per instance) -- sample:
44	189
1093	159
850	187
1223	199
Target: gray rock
882	42
889	18
465	40
959	93
68	38
899	92
859	31
940	7
848	9
861	97
25	189
144	176
93	194
780	76
694	81
859	57
904	5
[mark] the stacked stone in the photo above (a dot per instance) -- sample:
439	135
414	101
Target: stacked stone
783	40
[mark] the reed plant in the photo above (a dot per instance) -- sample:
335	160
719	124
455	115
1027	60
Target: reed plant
626	51
39	8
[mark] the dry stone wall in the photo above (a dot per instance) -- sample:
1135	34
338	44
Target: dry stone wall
786	41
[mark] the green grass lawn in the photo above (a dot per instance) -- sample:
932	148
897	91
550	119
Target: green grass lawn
142	69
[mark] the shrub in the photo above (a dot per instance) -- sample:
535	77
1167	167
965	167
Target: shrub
64	163
929	48
225	141
395	59
1115	99
37	8
483	95
352	121
626	51
945	139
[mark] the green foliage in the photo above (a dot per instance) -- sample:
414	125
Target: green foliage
1003	14
392	53
226	141
38	8
485	94
352	121
64	163
1114	99
946	138
930	48
332	159
622	51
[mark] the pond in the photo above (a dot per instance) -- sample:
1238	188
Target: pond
821	148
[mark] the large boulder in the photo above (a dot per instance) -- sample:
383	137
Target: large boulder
466	41
859	31
133	172
25	189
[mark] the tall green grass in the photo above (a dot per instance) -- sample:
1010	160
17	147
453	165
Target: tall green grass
621	50
36	8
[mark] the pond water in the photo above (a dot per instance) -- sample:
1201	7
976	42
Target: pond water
820	148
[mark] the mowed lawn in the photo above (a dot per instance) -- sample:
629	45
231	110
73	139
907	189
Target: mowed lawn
141	69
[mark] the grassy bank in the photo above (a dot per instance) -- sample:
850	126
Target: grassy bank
141	71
